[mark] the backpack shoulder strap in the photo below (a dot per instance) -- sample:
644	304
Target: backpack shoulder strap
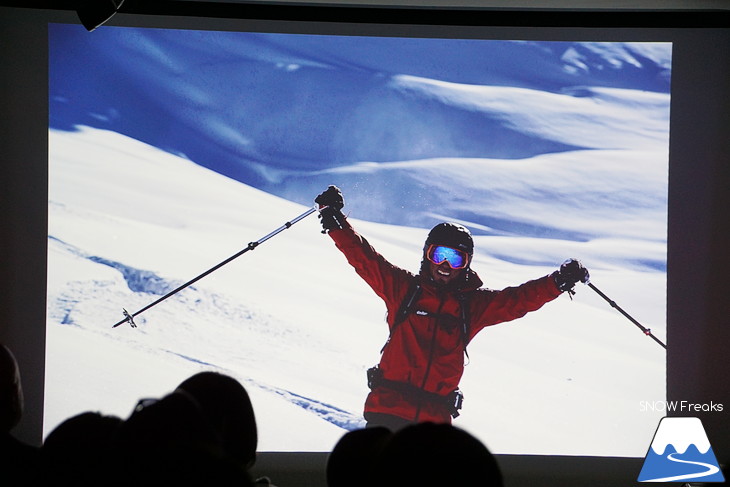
410	300
465	319
406	306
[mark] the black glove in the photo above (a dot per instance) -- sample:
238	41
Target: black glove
569	273
331	197
331	203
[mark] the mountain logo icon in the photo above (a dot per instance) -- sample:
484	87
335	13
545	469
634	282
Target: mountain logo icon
680	451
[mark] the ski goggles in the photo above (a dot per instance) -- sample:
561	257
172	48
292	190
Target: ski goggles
457	259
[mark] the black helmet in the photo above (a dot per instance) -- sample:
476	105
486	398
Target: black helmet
451	235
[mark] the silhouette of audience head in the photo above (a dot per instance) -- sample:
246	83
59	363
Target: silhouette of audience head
350	464
19	460
79	450
227	407
11	391
430	455
170	441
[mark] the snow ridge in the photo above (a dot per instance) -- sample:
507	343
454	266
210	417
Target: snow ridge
138	280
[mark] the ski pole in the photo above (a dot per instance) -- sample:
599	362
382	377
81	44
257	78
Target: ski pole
129	317
613	304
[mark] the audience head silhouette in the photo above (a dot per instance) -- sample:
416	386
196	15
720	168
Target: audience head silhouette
227	407
170	441
204	433
79	450
18	459
431	455
11	391
351	462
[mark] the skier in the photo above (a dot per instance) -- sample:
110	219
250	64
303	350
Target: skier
432	316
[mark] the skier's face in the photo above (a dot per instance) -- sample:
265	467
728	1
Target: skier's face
443	274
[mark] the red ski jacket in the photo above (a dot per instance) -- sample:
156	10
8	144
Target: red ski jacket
426	348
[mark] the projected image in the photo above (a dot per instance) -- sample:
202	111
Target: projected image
170	151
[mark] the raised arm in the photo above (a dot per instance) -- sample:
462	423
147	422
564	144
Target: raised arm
388	281
492	307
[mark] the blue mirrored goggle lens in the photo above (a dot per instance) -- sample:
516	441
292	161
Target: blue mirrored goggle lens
456	258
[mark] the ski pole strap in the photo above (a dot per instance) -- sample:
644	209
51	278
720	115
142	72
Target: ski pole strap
453	400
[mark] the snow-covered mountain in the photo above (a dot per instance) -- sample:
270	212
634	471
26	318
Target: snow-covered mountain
271	110
169	151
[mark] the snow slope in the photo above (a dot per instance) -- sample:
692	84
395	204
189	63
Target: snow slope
146	192
280	317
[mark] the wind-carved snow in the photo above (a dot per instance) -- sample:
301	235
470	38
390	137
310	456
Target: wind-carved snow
244	130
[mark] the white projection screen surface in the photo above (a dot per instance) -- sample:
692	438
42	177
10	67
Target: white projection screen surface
169	150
